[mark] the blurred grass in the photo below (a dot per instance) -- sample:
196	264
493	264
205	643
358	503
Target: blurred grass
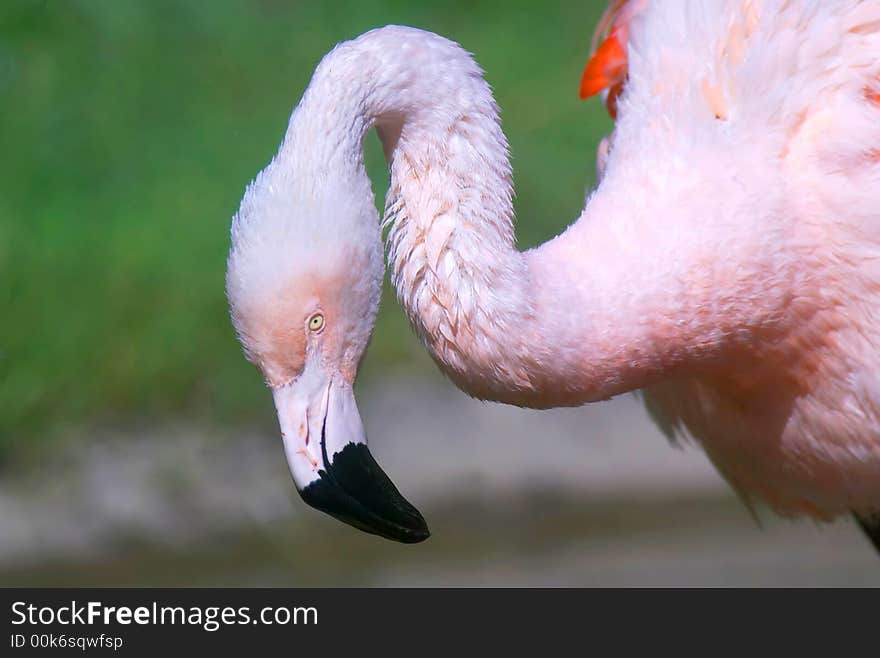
129	130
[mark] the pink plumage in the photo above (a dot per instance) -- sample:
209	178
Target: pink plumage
728	262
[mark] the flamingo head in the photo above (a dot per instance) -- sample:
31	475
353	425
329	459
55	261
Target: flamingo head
303	281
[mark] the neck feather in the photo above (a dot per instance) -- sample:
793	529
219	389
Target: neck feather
549	327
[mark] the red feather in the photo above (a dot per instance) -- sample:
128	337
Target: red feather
606	68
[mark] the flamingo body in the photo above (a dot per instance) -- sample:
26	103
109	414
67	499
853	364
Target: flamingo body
728	262
778	98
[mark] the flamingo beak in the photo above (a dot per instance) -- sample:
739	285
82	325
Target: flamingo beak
326	448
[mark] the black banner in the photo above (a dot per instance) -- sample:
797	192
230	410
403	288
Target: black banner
136	622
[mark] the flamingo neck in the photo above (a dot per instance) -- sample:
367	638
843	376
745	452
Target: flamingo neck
580	318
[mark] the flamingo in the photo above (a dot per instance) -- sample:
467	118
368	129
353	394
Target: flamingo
727	263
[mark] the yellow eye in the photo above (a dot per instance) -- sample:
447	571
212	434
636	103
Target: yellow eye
316	322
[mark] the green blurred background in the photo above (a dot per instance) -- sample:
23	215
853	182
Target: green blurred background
136	444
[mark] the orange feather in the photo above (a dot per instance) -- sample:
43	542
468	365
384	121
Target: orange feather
606	68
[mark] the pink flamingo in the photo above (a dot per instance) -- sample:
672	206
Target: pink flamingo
728	262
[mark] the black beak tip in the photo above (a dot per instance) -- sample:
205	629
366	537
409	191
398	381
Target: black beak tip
355	490
416	533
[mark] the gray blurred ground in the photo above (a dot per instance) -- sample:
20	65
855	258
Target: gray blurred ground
590	496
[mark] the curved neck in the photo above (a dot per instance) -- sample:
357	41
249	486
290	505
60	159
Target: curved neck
451	244
544	328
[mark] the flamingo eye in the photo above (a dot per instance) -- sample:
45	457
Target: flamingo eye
316	322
